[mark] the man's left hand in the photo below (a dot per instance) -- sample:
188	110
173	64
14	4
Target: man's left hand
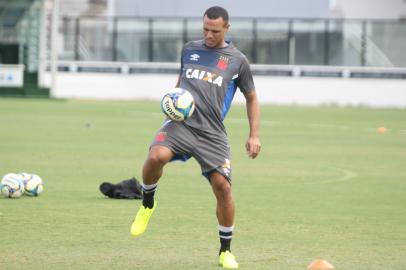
253	147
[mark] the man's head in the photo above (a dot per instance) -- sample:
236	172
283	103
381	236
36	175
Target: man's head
215	26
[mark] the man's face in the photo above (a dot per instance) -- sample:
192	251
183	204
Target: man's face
214	32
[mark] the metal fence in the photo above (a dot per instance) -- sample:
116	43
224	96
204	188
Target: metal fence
332	42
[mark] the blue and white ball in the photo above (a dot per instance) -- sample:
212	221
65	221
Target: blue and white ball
178	104
33	184
12	185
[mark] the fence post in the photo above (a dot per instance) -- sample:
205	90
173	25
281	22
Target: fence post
77	33
184	32
291	44
327	43
114	40
364	44
254	45
150	40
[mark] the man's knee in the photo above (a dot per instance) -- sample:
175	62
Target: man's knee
220	184
225	187
159	155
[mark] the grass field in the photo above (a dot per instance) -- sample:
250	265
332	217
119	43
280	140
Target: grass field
326	185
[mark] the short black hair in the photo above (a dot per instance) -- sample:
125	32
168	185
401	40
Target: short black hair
217	12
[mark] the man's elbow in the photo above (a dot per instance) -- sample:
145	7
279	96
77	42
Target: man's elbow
251	96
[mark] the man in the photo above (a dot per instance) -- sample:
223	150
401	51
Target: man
211	69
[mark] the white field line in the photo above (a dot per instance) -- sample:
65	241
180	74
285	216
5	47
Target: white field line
344	175
280	123
135	112
234	120
311	125
245	121
325	126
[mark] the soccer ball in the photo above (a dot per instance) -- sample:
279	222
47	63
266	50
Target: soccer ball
33	185
178	104
12	185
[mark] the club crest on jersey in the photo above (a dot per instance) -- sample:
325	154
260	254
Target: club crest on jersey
213	78
161	136
194	57
223	62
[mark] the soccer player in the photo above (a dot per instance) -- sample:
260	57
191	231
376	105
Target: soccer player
211	69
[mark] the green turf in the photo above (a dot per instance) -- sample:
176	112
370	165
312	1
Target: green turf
326	185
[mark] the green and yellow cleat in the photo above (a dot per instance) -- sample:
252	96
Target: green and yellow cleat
227	260
141	220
